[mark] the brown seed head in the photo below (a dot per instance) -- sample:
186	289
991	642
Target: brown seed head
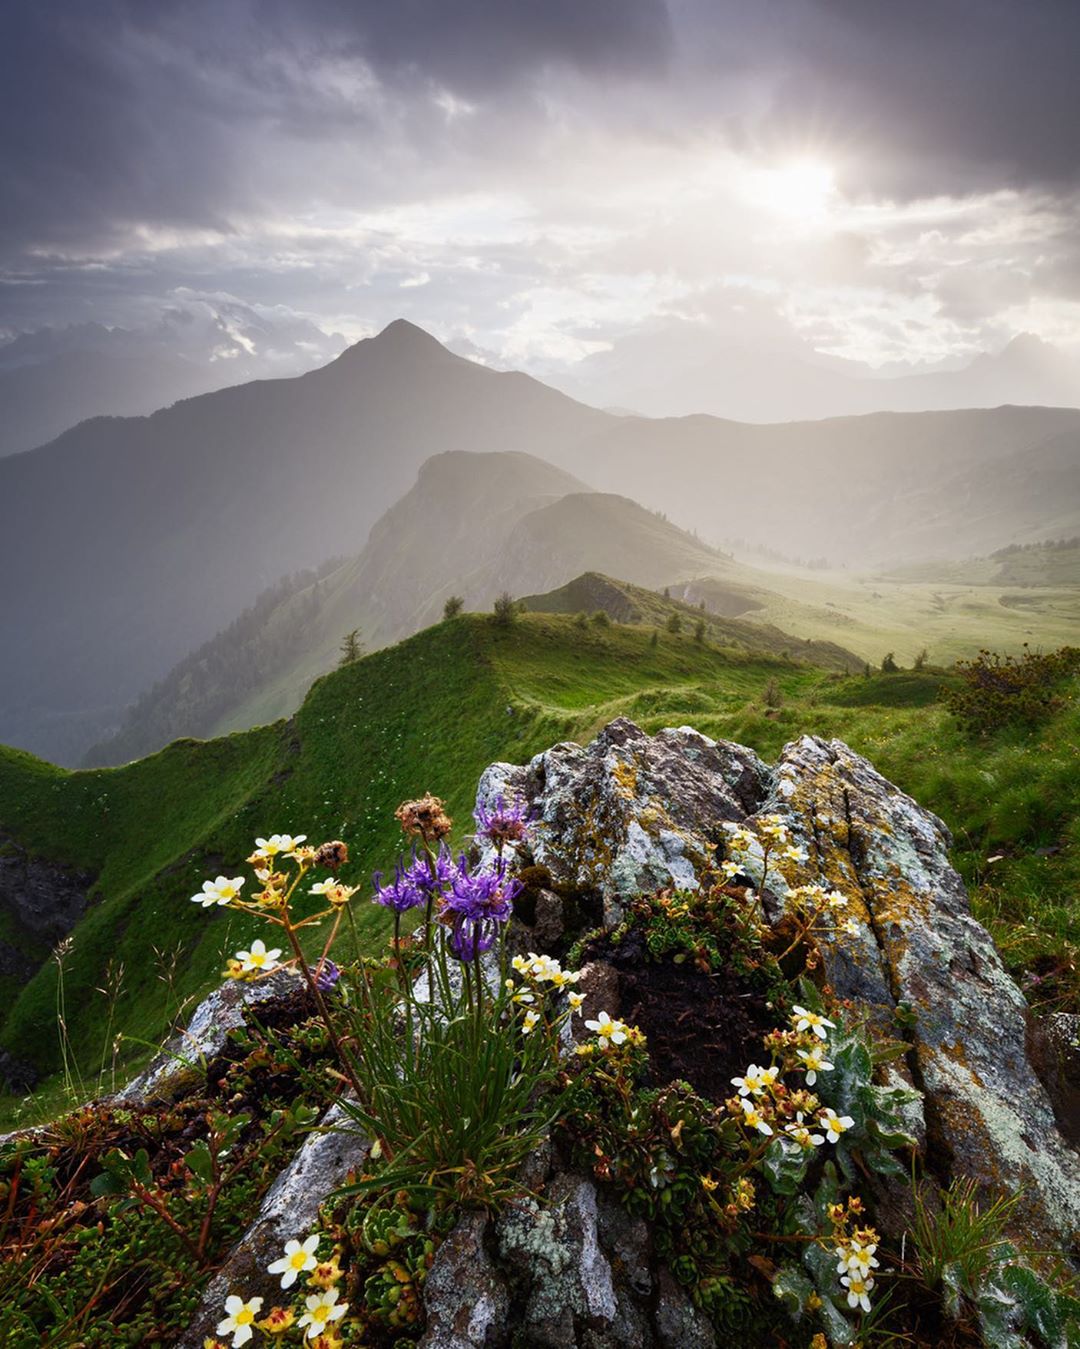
426	817
332	855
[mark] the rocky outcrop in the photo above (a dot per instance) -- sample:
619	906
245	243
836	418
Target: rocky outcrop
632	812
574	1269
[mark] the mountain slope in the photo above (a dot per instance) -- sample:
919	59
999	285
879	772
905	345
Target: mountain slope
127	542
473	525
431	713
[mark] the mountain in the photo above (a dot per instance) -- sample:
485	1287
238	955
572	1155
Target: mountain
858	490
682	369
129	541
472	525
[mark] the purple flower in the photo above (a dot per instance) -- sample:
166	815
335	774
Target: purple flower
326	976
468	940
503	823
478	903
401	894
420	873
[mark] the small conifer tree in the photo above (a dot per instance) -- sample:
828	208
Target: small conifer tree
674	623
888	663
699	632
453	607
351	648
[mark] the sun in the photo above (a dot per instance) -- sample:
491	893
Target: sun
800	189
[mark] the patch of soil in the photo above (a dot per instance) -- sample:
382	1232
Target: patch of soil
702	1028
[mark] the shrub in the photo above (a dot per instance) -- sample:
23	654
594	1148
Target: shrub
505	609
699	632
772	697
888	663
921	659
601	619
581	620
453	607
674	623
996	690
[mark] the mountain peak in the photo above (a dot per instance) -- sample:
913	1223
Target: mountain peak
401	335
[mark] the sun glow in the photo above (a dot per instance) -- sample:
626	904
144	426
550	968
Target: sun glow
801	189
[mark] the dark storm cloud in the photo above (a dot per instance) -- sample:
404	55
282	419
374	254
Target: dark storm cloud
124	111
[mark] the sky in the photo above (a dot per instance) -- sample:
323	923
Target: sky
893	185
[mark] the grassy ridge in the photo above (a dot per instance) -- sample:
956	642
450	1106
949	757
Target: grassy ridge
431	713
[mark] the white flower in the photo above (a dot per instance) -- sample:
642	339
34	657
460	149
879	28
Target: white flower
856	1259
805	1020
836	900
575	1000
802	1135
531	1018
814	1062
299	1257
240	1316
730	869
858	1289
221	891
753	1119
850	926
607	1029
793	853
322	1308
258	958
756	1080
834	1125
279	843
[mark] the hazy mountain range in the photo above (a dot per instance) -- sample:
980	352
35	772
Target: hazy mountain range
682	368
129	542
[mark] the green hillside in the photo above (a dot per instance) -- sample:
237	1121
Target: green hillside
431	713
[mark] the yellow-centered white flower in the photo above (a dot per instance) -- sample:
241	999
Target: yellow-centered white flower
222	891
858	1290
752	1117
322	1308
814	1062
258	958
756	1081
834	1124
238	1319
299	1257
811	1021
608	1029
279	843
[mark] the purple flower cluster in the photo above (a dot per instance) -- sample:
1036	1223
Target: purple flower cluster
414	885
326	976
474	903
478	904
503	823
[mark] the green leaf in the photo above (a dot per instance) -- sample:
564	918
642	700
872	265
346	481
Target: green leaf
793	1288
200	1163
784	1165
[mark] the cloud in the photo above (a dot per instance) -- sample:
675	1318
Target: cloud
892	182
